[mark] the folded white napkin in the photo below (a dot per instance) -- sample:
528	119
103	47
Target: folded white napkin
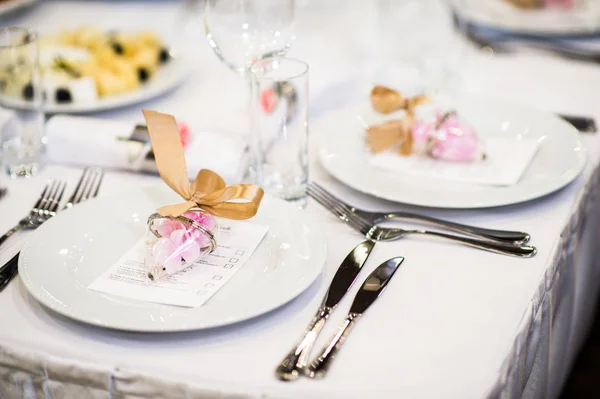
506	161
95	142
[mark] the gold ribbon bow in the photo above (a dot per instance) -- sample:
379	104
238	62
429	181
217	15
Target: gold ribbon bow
395	133
208	191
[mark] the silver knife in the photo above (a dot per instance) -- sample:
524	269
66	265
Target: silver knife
368	293
294	363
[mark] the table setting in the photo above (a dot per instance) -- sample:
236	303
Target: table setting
229	198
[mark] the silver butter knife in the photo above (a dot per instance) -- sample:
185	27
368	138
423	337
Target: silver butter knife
368	293
294	363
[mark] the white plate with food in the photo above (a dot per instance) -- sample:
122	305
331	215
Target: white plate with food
72	249
88	70
578	17
348	141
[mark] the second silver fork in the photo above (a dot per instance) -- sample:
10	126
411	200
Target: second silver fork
513	237
87	187
374	232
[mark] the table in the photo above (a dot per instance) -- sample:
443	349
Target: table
454	323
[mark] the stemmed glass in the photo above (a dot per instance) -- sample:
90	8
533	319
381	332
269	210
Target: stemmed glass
243	31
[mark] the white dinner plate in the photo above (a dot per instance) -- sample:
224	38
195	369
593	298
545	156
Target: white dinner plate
500	14
560	158
167	77
69	251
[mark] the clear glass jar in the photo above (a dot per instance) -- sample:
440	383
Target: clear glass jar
175	243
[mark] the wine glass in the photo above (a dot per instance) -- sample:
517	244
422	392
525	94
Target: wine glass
243	31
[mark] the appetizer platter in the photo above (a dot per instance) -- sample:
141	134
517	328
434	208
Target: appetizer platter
87	69
436	151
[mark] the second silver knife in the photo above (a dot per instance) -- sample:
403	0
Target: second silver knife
371	289
293	364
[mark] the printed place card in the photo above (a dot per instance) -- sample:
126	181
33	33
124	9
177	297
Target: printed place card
506	161
193	286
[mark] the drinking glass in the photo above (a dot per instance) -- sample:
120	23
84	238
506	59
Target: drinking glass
22	135
280	127
243	31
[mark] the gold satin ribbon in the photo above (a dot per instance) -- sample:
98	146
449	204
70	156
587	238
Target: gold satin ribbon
208	191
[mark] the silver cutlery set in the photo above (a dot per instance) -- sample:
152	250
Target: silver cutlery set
367	223
46	207
296	364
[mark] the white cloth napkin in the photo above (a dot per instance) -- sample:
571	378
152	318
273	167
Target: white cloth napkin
89	141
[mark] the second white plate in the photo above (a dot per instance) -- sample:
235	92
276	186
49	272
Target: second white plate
69	251
560	158
500	14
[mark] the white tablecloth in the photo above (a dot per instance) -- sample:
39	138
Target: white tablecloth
454	323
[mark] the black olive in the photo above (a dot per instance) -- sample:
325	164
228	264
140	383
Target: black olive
28	91
164	55
143	74
27	38
117	48
63	96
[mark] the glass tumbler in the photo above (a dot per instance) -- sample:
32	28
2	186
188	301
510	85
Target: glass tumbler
279	110
21	102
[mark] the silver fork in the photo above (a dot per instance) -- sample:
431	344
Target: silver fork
374	232
87	187
45	207
513	237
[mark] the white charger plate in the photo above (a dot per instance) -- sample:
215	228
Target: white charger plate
501	15
69	251
561	157
166	78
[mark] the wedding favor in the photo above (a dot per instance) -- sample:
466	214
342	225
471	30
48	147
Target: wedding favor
179	235
442	134
176	243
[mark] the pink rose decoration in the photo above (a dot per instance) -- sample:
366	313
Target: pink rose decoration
268	100
184	134
448	139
